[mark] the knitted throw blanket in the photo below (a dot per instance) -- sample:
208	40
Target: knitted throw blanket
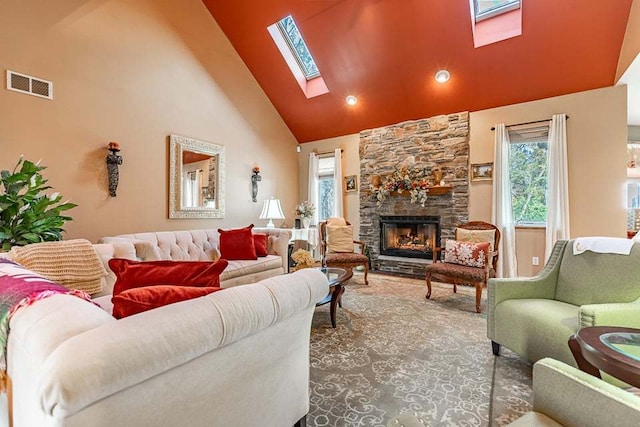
19	288
73	264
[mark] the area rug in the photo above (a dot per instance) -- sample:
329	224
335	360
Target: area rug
396	358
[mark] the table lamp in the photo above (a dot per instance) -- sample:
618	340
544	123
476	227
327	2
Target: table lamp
271	210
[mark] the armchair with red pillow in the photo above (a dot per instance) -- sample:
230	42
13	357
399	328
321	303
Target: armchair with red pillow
470	259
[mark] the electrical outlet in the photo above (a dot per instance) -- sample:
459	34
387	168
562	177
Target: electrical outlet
535	260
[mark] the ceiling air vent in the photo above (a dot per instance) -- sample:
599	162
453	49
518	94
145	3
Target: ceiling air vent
29	85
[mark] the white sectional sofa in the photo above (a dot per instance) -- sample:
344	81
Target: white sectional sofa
203	245
235	357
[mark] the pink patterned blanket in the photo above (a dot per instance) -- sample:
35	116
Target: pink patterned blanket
19	288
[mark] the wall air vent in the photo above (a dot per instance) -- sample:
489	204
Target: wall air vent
29	85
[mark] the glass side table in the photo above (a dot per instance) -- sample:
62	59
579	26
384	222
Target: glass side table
614	350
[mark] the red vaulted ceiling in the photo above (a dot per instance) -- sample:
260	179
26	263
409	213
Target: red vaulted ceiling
386	53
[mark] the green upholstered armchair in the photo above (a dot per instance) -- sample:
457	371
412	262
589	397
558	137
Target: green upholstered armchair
536	316
566	396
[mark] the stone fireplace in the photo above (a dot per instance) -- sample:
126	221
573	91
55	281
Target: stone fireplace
438	143
409	236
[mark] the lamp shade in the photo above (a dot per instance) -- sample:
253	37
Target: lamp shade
271	210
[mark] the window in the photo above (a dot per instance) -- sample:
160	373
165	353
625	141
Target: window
298	47
326	188
296	55
484	9
528	169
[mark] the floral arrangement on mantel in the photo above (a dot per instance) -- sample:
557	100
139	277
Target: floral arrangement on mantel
305	209
302	258
404	179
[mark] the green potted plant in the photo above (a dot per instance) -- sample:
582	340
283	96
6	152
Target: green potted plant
27	213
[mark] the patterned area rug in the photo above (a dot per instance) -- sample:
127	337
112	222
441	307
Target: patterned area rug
396	358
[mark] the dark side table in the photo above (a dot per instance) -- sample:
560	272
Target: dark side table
337	277
614	350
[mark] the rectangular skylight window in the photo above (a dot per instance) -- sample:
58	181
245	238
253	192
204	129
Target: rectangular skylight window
298	47
488	8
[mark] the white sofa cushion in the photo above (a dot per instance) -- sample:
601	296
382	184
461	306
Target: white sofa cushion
237	268
185	245
114	250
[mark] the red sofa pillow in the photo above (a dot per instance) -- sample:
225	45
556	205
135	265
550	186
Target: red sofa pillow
260	242
136	274
136	300
237	244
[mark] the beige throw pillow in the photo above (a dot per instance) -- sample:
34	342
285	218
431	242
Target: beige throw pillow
340	238
73	264
336	221
476	236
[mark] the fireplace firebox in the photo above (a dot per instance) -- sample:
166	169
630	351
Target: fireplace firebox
409	236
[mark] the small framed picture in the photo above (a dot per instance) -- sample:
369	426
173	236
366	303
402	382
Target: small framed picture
351	183
481	171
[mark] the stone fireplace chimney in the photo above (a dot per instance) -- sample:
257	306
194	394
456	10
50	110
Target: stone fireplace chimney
437	144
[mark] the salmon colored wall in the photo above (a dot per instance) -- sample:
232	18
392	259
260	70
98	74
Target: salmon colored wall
596	139
530	242
597	135
136	71
631	44
350	166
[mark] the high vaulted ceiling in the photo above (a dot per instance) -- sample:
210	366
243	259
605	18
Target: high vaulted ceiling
386	52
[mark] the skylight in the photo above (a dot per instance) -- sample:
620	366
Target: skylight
488	8
298	47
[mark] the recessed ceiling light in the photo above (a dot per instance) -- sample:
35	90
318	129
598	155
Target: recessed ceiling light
351	100
443	76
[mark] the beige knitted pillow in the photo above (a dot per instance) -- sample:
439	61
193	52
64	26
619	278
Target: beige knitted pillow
476	236
73	264
336	221
340	238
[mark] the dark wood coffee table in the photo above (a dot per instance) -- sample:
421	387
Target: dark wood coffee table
337	277
614	350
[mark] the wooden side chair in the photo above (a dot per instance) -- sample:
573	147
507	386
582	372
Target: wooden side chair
471	258
337	247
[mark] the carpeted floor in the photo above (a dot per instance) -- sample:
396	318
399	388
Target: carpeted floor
396	358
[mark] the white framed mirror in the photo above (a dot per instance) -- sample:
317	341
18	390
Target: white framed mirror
196	178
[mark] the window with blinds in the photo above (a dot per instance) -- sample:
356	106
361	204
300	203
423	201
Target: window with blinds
528	169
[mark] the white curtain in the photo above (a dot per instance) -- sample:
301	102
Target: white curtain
558	184
187	191
312	190
191	182
338	211
502	213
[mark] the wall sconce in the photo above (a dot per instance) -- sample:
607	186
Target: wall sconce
254	182
113	161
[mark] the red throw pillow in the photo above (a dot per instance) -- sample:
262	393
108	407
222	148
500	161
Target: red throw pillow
136	274
466	253
237	244
260	242
137	300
